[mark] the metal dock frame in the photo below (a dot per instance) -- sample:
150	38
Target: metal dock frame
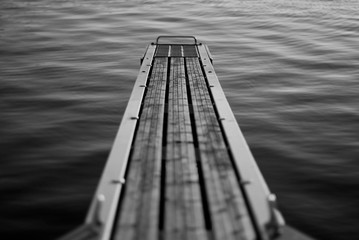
261	213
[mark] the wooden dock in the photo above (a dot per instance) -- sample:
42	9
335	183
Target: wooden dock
180	167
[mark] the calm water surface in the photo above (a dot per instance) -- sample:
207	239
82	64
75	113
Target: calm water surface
290	70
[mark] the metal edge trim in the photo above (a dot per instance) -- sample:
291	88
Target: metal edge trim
112	179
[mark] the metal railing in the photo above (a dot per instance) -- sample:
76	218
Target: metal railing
175	37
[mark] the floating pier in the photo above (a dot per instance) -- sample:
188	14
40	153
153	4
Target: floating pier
180	167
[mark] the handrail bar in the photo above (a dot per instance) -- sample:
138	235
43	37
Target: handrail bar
175	36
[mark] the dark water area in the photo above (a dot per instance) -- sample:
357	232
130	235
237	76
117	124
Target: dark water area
290	70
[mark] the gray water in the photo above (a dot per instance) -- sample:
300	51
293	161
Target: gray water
290	70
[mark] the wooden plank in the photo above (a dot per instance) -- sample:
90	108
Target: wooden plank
138	213
183	209
172	210
216	204
110	186
174	227
228	211
257	190
149	213
131	201
194	218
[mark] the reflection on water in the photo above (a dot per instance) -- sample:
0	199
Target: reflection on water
289	69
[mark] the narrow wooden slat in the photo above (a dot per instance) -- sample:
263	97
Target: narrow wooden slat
132	194
243	228
194	217
139	211
172	214
184	212
228	211
214	194
149	213
131	201
174	227
235	204
257	191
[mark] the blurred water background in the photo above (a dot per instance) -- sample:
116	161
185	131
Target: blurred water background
290	70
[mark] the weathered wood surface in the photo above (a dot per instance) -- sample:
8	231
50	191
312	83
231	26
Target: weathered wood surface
139	214
184	218
181	183
230	218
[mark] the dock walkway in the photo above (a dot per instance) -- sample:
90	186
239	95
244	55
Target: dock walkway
180	167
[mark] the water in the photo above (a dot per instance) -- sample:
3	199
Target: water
290	70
